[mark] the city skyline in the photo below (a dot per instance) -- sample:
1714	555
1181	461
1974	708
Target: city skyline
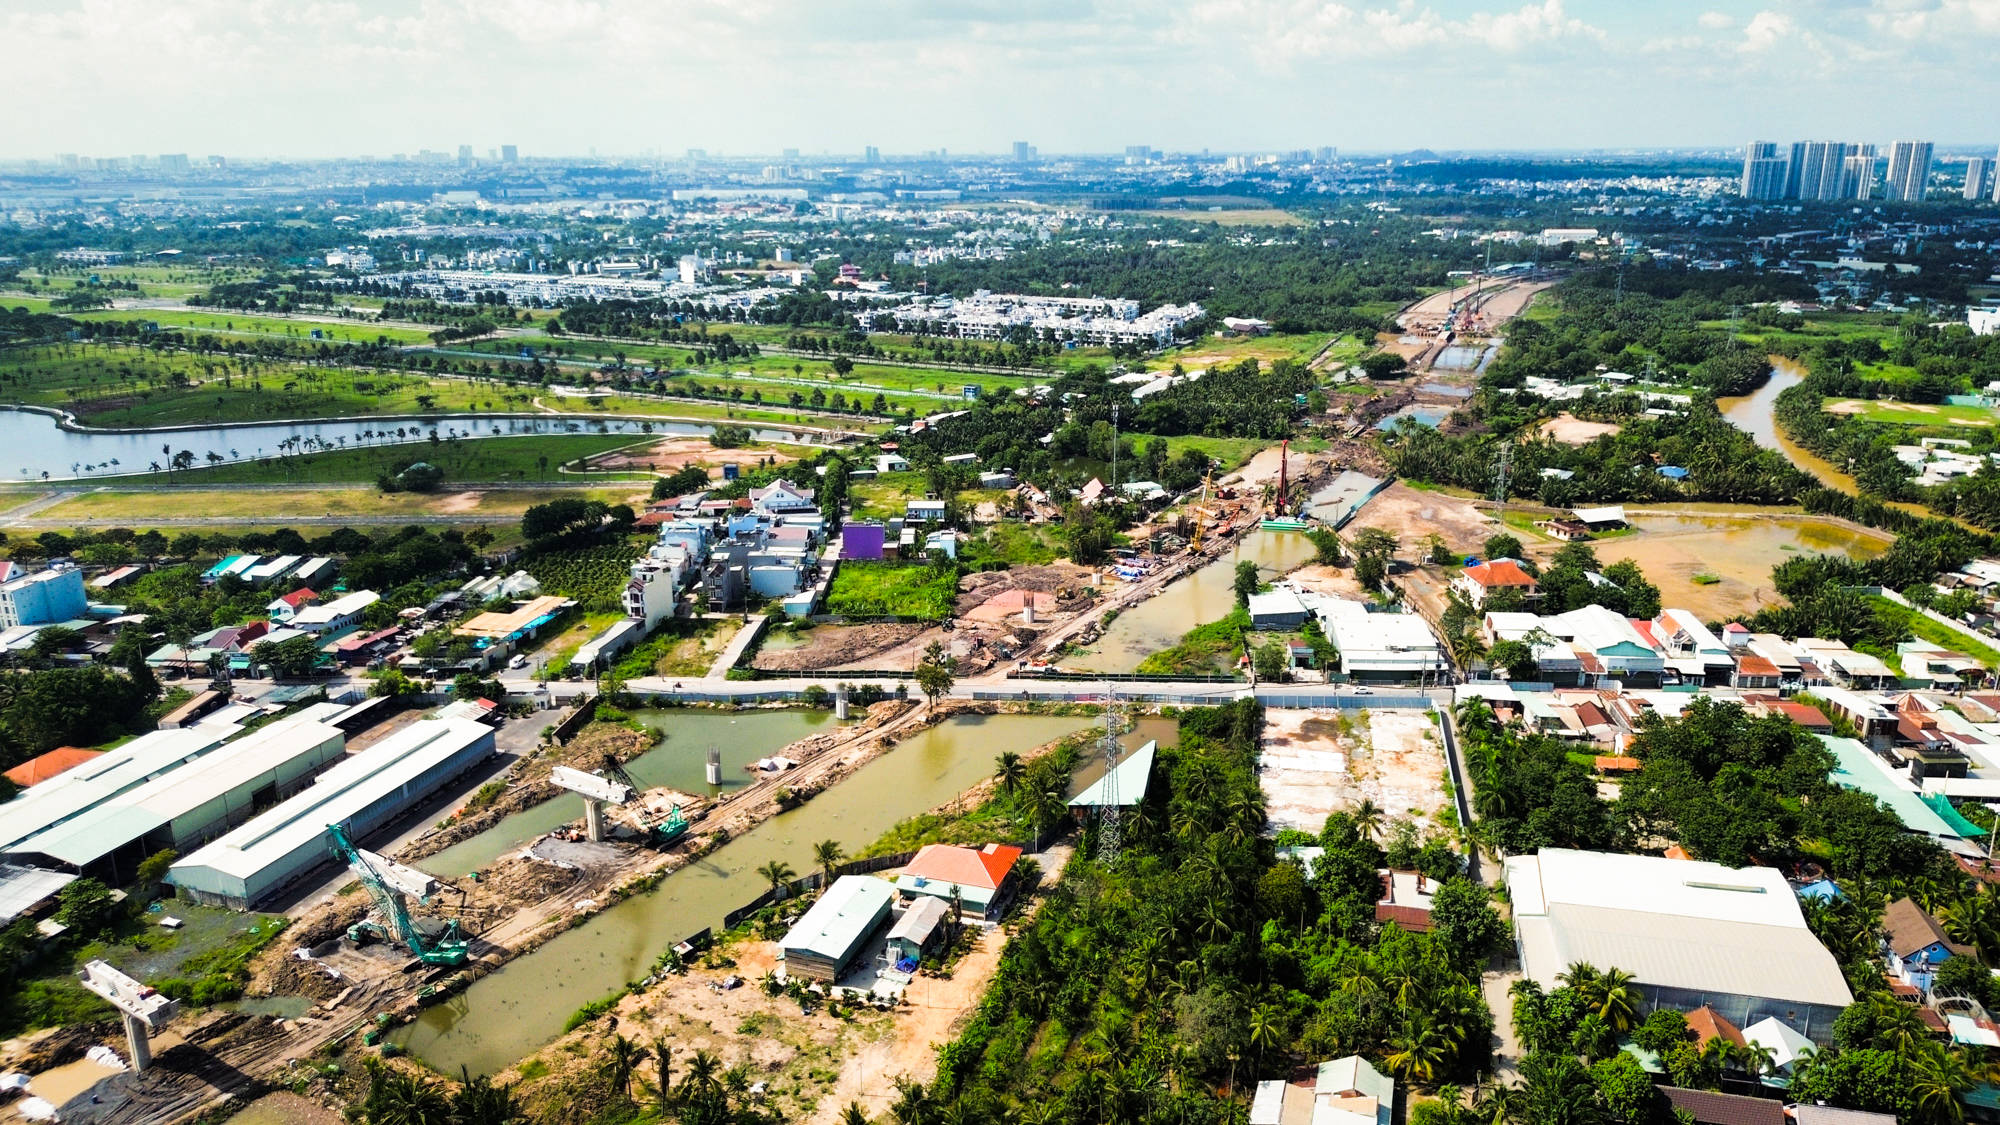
623	77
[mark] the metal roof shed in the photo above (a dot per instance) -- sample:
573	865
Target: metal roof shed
189	805
361	794
24	888
115	771
1134	774
823	944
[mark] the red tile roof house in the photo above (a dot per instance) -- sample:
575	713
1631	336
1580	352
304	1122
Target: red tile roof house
36	770
983	877
1476	582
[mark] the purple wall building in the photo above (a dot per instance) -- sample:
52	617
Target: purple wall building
861	541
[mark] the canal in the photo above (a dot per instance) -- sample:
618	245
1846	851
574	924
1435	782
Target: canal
516	1010
1206	595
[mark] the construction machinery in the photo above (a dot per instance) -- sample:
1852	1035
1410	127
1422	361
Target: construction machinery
392	886
1281	520
660	832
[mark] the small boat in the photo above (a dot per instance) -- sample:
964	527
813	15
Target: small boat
1285	523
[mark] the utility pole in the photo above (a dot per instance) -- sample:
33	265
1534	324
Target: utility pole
1110	838
1114	447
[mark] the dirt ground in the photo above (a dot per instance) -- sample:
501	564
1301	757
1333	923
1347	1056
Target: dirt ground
1411	515
1324	761
286	1108
675	454
1571	430
844	646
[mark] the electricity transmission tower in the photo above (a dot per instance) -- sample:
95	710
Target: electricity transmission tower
1109	835
1503	470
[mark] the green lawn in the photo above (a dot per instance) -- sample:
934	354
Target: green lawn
478	460
1937	632
1913	413
874	589
227	322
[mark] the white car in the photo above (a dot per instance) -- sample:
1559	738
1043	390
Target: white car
520	661
1364	691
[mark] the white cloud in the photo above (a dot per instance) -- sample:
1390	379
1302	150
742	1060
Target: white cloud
1766	29
1716	21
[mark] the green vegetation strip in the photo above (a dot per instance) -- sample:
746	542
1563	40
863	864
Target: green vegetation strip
1936	632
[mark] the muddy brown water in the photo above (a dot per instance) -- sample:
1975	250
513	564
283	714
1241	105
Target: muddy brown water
1206	595
678	763
516	1010
1756	415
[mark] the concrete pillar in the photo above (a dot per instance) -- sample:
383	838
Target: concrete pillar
593	820
840	701
137	1043
1028	612
715	765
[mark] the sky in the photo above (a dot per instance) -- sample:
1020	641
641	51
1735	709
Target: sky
322	78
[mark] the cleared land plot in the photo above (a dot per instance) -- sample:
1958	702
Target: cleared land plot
1912	413
478	460
1410	515
1318	762
1571	430
1672	550
872	589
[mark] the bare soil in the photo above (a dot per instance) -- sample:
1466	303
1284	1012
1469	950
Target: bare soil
1571	430
1410	515
845	646
675	454
1324	761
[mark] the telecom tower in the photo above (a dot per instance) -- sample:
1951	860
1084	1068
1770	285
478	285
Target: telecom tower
1109	837
1503	469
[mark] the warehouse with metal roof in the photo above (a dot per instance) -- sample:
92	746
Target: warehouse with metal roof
823	945
366	792
1691	934
188	806
77	791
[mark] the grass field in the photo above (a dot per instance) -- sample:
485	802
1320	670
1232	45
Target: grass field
482	460
272	507
1912	413
1937	632
226	322
872	589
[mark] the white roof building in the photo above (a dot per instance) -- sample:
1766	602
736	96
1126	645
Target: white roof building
362	793
1690	932
1380	645
73	792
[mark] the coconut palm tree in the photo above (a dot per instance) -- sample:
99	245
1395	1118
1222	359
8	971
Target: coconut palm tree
621	1064
778	872
853	1115
397	1097
1009	771
479	1102
1419	1050
1368	819
1617	1000
661	1085
828	854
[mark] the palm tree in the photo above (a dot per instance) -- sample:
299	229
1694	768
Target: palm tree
1617	1000
828	854
778	872
621	1062
1009	771
853	1115
399	1098
479	1102
1419	1050
1368	819
913	1104
1265	1028
661	1085
1939	1077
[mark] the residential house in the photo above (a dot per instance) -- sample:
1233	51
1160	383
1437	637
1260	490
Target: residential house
924	511
1406	900
981	877
1707	1107
1916	943
1479	582
780	497
1279	610
283	610
919	929
1848	668
1616	647
1753	672
1701	656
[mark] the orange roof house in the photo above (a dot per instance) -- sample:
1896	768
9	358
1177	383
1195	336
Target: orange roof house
979	875
1476	582
36	770
1707	1024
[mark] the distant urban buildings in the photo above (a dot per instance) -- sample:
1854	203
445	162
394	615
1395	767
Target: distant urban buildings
1979	179
1023	151
1909	171
510	154
1826	171
871	155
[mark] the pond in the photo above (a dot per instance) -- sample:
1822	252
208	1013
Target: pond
40	449
1422	415
1206	595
